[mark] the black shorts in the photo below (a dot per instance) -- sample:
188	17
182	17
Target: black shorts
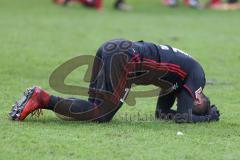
110	81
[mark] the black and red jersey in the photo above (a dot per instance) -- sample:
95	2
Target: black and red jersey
120	63
180	70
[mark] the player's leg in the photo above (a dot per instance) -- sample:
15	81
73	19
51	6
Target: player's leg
121	5
78	109
107	88
35	98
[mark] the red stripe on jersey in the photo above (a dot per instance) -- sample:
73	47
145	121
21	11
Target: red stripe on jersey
166	66
189	90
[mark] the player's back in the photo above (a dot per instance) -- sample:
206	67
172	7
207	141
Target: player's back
180	67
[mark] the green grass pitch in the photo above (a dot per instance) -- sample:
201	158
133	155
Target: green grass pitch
37	36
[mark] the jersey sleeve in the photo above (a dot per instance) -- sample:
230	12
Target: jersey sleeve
195	82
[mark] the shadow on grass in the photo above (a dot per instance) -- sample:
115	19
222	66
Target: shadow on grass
155	125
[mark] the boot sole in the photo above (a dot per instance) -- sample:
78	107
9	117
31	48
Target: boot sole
18	107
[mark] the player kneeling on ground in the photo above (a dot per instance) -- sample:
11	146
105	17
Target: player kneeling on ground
119	64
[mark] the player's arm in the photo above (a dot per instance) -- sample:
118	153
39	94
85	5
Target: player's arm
212	116
164	105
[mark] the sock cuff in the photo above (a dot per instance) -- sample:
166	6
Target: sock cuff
52	102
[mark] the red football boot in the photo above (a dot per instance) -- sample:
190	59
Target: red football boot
33	99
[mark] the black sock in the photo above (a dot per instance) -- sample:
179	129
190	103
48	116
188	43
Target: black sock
52	102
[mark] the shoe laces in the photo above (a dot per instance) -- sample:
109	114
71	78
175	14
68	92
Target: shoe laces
37	113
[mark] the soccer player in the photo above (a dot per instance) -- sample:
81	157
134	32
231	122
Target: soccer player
119	4
120	63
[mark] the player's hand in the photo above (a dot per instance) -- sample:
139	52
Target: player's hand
214	113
